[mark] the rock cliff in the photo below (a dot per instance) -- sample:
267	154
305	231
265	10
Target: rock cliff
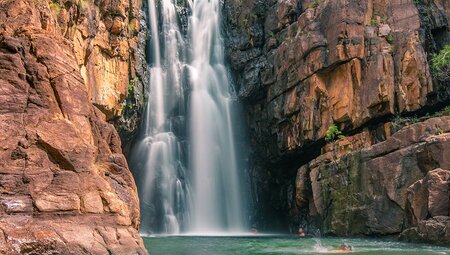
68	67
65	187
302	66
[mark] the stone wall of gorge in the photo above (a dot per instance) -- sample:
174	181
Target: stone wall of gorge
109	39
301	65
382	189
65	187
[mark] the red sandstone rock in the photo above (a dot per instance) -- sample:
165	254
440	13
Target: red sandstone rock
344	62
435	230
302	65
65	185
429	197
381	189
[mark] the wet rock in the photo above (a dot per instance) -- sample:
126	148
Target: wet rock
434	230
380	189
341	72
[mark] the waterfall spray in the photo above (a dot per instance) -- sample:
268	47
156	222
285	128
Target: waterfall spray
206	196
217	204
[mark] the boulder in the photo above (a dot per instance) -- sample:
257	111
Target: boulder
434	230
429	197
382	189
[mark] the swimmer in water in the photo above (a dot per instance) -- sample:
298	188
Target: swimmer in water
344	248
301	232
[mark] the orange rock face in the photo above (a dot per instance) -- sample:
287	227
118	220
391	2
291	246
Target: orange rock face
104	36
65	186
299	67
310	65
351	193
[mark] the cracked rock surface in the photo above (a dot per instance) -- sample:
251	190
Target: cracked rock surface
65	187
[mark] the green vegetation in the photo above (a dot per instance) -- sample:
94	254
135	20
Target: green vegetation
314	4
130	102
132	84
245	22
437	114
443	112
440	64
373	22
390	38
399	122
377	20
447	110
333	133
55	6
414	120
438	131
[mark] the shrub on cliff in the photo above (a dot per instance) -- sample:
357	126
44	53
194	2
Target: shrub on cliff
333	133
440	64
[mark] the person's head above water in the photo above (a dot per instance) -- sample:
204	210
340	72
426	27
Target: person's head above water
301	232
344	247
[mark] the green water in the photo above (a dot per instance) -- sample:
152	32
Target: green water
274	245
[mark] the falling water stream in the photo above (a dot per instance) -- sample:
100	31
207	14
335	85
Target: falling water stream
187	157
164	193
217	204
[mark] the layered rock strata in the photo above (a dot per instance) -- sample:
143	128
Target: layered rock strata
302	65
65	187
382	189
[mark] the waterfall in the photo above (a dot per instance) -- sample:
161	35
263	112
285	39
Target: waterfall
216	190
206	196
165	194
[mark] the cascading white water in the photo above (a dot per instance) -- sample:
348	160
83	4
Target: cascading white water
164	192
217	205
206	198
